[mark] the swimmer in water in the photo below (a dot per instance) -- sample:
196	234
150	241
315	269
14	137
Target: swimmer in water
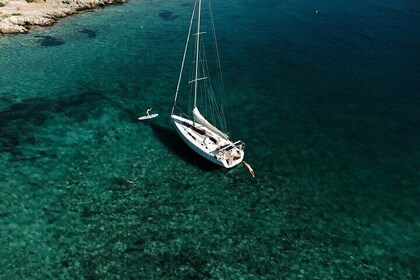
128	181
249	168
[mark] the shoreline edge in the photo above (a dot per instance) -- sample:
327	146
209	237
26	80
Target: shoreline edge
17	16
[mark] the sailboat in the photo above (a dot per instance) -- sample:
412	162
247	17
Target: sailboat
202	122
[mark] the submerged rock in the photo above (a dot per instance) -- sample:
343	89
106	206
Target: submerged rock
167	15
89	33
49	41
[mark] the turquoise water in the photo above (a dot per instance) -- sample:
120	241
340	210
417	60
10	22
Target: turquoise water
327	103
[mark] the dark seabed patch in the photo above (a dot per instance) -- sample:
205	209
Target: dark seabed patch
167	15
16	124
49	41
90	33
20	121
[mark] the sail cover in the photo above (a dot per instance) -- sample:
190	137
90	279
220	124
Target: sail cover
201	120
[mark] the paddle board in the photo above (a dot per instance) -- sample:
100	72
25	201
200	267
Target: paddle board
148	117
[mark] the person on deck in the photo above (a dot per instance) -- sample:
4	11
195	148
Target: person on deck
148	111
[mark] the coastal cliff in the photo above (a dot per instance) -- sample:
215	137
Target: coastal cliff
16	16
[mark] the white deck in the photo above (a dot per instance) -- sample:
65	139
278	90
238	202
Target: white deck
208	144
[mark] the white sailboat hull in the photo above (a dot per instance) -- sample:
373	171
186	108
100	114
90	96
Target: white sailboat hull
202	136
208	144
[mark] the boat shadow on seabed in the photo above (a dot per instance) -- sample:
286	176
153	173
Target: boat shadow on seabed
175	144
168	137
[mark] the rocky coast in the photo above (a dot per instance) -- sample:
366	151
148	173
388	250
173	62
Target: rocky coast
17	16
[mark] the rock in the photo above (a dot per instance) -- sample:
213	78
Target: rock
11	29
16	15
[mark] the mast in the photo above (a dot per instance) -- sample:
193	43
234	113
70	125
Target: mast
197	56
183	58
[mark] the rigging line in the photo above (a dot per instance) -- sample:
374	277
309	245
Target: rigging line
183	58
191	77
211	107
182	112
214	110
203	83
197	54
205	91
224	102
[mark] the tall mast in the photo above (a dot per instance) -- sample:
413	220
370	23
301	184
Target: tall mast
183	58
197	56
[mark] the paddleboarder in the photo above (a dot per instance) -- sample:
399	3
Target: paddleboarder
148	112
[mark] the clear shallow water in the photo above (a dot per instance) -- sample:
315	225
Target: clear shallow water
326	102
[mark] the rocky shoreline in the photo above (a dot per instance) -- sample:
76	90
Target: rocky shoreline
17	16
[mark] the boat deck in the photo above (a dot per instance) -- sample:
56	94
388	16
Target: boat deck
208	144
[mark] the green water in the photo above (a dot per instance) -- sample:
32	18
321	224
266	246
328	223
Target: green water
327	104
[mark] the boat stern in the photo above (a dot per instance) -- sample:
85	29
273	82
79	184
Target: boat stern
232	154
